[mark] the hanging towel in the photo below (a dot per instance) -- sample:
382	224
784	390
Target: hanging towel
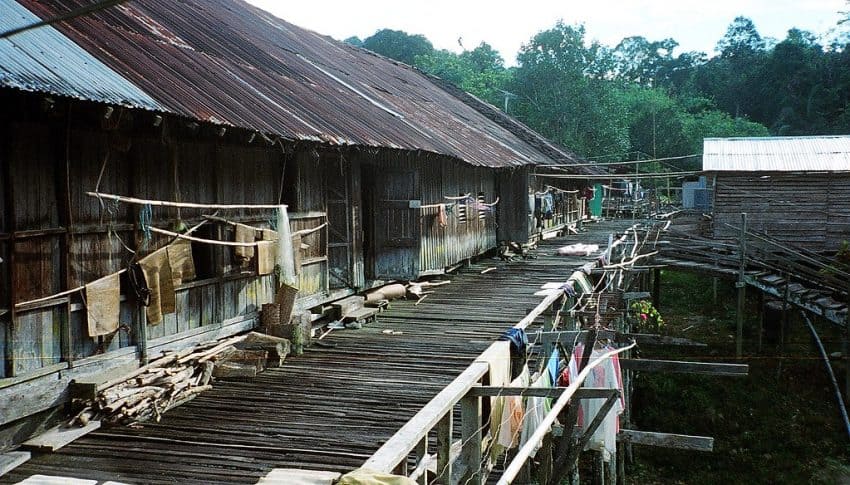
512	414
267	252
180	259
536	409
442	218
582	281
498	357
158	277
244	234
297	252
103	305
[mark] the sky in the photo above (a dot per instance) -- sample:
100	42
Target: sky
506	25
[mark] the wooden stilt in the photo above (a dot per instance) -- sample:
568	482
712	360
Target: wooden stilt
742	289
656	288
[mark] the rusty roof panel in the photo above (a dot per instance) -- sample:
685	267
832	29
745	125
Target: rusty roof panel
227	62
47	61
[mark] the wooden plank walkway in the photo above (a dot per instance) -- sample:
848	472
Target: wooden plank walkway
331	408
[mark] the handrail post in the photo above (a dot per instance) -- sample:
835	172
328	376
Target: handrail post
444	448
742	289
470	422
421	453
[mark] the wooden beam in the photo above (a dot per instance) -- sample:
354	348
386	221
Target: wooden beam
666	440
58	437
13	459
567	338
706	368
553	392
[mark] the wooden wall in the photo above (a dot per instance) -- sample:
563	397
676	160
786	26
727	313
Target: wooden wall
54	237
810	210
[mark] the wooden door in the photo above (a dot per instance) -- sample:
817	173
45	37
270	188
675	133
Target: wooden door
395	225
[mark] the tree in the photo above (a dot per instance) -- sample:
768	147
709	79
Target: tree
398	45
741	39
563	92
354	40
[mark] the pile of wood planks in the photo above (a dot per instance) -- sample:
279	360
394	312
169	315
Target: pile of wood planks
179	377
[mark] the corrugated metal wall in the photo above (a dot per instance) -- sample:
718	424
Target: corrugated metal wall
470	229
811	210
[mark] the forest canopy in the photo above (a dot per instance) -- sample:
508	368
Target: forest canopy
639	99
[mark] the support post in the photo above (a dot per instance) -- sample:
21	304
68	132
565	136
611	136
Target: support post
761	320
845	349
470	432
783	325
421	453
742	289
444	448
656	288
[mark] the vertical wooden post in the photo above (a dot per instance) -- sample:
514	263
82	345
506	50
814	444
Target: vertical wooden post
470	422
845	348
444	448
62	131
783	326
656	288
742	289
761	320
421	452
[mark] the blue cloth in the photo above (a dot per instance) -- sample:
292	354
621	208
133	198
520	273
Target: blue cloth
552	365
518	339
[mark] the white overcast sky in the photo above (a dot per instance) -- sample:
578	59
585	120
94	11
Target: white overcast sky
506	25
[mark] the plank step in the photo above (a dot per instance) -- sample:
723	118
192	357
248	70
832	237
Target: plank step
13	459
55	438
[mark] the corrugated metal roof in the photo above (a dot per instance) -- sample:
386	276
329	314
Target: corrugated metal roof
777	154
45	60
227	62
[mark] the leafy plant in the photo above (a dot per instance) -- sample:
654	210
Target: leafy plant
646	316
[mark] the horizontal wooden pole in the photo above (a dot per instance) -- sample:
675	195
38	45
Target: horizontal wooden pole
582	393
568	337
666	440
707	368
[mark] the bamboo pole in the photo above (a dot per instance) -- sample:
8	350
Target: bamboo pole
182	205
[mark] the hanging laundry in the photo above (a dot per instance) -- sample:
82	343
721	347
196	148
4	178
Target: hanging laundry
536	409
267	252
548	206
498	357
442	218
297	252
244	234
180	259
553	364
103	305
581	279
531	200
512	414
606	375
157	271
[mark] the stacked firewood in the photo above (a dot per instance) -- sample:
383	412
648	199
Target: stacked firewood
179	377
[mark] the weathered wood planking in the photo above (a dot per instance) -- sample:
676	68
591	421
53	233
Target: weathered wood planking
809	209
331	408
58	437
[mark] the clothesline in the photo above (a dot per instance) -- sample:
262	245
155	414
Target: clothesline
302	232
182	205
83	287
550	188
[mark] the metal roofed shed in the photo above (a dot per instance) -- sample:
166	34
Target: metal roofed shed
780	154
796	189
